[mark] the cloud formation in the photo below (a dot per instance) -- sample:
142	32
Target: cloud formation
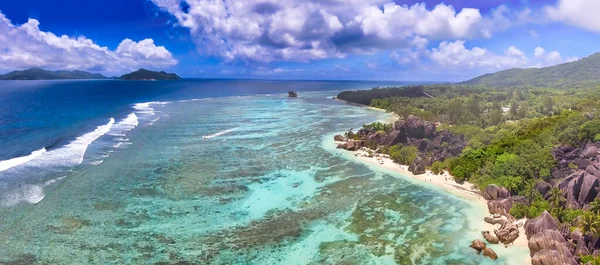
580	13
24	46
292	30
456	56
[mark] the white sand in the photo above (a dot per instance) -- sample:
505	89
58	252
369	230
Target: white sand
518	249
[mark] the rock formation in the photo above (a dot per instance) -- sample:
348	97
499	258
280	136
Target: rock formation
488	252
493	192
481	248
339	138
492	239
539	224
478	245
546	244
413	131
507	233
502	207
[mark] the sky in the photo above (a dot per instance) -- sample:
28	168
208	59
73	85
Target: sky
412	40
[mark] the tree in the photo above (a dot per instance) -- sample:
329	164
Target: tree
556	200
530	190
590	224
495	117
522	112
514	108
403	154
595	206
548	105
473	106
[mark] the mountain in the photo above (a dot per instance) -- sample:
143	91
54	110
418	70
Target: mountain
144	74
579	73
41	74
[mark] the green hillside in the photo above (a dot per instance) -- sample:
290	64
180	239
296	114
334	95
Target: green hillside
583	72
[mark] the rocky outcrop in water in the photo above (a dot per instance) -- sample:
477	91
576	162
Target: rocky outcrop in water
480	247
339	138
490	253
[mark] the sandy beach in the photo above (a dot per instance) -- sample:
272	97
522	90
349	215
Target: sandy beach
466	191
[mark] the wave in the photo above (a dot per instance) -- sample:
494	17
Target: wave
122	127
6	164
219	133
194	99
31	194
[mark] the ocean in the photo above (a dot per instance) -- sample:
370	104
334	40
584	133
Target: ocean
209	172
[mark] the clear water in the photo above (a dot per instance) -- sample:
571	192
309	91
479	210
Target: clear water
245	179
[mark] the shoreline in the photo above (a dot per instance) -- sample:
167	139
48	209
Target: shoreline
464	191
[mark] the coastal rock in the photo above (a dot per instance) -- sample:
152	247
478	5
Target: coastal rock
415	127
492	239
375	137
339	138
494	192
502	207
547	239
543	187
352	145
541	223
478	245
594	170
589	151
580	188
488	252
551	257
507	233
394	137
419	165
494	221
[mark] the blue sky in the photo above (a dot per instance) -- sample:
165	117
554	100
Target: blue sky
298	39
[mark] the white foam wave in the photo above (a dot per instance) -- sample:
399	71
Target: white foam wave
71	154
6	164
194	99
28	193
218	133
122	127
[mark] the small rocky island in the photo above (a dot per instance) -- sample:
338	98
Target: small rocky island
292	94
143	74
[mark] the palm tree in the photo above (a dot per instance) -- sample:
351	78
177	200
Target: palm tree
556	200
530	190
590	224
595	206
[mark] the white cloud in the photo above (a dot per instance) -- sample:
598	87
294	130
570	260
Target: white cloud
454	55
539	51
24	46
550	58
304	30
580	13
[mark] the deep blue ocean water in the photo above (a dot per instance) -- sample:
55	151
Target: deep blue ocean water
208	172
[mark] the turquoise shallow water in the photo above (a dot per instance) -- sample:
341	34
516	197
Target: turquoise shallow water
236	180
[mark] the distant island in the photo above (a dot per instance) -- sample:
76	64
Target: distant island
42	74
144	74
